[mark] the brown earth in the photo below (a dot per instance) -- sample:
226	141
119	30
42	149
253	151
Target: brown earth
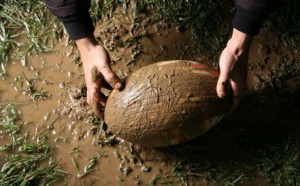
270	108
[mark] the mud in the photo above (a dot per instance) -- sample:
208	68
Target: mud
65	116
166	103
269	114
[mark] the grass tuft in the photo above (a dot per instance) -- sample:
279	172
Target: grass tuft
26	28
9	115
26	170
24	163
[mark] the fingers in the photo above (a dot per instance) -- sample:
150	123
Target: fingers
230	84
96	105
223	85
236	96
233	75
101	77
111	78
96	65
97	101
104	68
227	61
106	85
235	103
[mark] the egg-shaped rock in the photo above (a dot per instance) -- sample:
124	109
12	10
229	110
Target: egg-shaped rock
166	103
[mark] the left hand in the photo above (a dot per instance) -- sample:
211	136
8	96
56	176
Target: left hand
233	67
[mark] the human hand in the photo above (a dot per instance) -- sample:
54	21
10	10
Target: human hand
233	68
98	73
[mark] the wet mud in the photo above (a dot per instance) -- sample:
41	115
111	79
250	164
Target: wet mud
269	114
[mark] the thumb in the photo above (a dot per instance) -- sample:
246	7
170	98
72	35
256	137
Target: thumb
223	85
111	78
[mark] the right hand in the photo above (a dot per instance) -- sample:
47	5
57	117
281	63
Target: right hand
97	70
233	68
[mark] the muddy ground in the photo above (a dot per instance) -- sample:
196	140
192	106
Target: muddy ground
237	150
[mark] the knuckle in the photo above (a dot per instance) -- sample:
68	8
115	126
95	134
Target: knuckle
110	77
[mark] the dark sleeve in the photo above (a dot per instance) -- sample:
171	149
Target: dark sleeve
75	16
250	14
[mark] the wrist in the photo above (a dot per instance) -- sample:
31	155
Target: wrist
86	44
239	42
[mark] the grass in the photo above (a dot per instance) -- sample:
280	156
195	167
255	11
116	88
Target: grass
91	166
286	20
29	88
25	161
31	21
274	163
9	115
207	19
210	27
26	170
27	28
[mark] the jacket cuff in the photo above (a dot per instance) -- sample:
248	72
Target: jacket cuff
246	22
79	26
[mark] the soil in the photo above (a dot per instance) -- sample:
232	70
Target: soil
270	108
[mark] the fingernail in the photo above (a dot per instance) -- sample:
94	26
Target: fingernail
118	85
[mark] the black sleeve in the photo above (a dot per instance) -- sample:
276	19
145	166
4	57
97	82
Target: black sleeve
75	16
250	14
